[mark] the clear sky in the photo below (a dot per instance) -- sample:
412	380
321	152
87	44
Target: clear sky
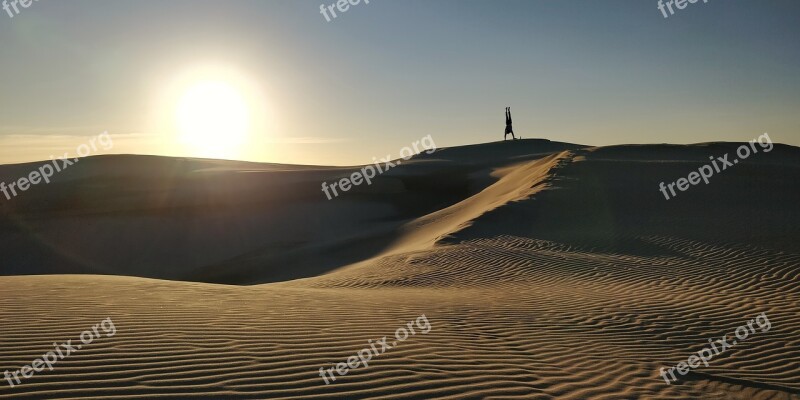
272	80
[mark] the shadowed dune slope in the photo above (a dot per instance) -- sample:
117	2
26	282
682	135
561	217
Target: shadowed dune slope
227	221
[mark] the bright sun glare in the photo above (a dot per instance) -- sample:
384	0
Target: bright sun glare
213	119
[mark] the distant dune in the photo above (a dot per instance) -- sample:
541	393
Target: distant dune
547	270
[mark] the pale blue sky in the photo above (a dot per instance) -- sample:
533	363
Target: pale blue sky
388	73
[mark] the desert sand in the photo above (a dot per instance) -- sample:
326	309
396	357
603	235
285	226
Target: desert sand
547	271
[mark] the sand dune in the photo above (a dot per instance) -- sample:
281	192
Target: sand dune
546	270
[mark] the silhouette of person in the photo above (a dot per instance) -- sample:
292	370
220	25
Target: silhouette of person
509	128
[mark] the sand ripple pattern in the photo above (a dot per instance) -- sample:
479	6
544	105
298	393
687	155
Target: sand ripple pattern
513	318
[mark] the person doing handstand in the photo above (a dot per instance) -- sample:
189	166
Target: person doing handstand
509	128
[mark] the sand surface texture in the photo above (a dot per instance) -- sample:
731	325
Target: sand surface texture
546	270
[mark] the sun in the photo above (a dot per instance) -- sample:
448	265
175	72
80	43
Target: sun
214	110
213	119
